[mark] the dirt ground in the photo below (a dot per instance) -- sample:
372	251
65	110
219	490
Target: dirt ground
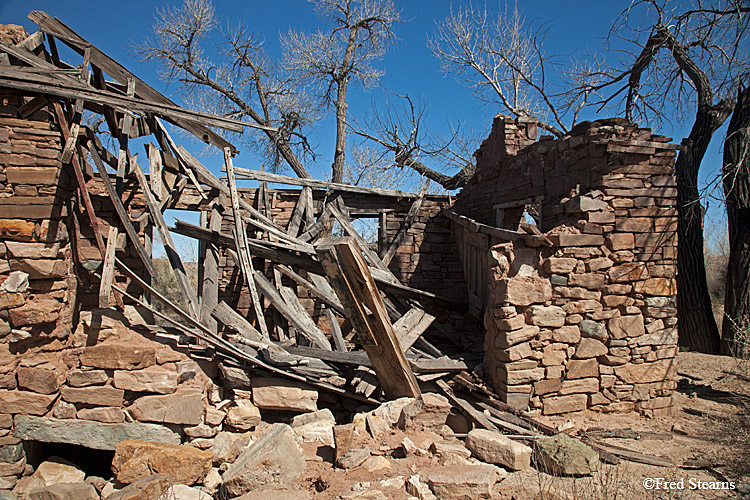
695	442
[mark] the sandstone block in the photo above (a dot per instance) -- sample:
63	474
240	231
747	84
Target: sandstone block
57	470
551	316
569	334
631	271
156	379
507	339
589	348
26	403
118	356
518	377
620	241
592	281
547	386
183	464
598	264
494	448
83	378
513	323
274	458
554	354
96	435
40	268
647	372
183	407
282	394
514	353
582	368
154	486
430	412
96	396
35	312
576	240
65	491
656	286
228	446
44	379
582	306
564	404
244	416
524	290
111	415
581	385
462	482
626	327
560	265
315	426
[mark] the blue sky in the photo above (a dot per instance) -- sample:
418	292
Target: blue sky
572	28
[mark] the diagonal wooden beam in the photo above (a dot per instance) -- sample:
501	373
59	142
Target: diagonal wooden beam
351	279
169	247
121	212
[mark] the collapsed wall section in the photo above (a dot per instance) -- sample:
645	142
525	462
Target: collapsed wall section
589	320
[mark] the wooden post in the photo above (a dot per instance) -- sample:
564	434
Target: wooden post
350	276
240	237
108	268
210	283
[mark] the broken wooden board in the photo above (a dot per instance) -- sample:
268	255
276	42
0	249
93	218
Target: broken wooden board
351	279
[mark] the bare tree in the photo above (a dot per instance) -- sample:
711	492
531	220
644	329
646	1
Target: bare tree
242	84
329	61
398	130
736	179
689	61
501	59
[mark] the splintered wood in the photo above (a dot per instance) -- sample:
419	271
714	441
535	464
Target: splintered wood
330	313
353	283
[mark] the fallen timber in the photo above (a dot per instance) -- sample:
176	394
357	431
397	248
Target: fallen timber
374	320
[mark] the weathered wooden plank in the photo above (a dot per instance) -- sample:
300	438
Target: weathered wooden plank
272	295
154	171
329	299
411	326
338	338
169	247
258	219
186	167
22	79
353	283
240	238
299	209
55	27
313	183
211	275
408	221
34	105
314	230
231	318
472	413
372	257
108	268
382	234
120	209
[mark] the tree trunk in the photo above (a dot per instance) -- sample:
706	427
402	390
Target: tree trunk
697	326
736	175
339	155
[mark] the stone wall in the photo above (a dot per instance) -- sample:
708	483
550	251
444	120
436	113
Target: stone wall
588	321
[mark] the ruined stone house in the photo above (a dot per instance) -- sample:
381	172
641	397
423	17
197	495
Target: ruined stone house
558	259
